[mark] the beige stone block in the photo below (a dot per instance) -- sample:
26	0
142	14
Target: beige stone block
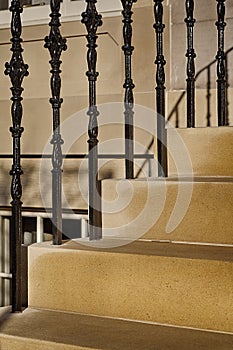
209	150
203	11
171	210
136	282
74	66
37	183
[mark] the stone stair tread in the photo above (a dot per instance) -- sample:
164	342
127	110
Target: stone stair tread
44	330
147	247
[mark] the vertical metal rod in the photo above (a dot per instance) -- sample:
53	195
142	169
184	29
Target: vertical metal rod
56	44
227	93
128	86
92	20
221	63
190	54
160	90
17	70
208	96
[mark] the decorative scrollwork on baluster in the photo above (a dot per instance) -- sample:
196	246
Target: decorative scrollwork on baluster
17	70
128	86
92	20
160	89
55	43
191	55
221	64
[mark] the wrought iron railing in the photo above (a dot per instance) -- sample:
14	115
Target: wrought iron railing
175	114
17	70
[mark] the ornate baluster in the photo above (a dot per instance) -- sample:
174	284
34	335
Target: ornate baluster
227	93
17	70
208	96
160	90
129	86
56	44
221	64
92	21
190	21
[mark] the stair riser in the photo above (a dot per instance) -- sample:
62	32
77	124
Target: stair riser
145	210
210	151
186	292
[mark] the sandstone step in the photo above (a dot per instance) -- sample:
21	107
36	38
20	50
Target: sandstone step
184	285
48	330
209	149
185	209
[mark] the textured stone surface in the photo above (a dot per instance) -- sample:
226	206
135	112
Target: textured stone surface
46	330
210	151
173	210
135	283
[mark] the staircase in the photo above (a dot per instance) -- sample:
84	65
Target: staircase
153	282
161	276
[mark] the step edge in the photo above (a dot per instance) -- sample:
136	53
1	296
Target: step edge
40	341
170	325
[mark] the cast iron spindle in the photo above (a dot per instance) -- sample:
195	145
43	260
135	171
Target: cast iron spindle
208	96
221	68
92	21
190	21
129	86
160	90
17	70
56	44
227	93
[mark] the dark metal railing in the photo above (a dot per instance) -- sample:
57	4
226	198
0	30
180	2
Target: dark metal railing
17	70
92	21
221	64
207	69
56	44
190	21
160	90
128	86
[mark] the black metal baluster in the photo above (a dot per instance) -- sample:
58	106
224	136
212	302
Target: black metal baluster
190	21
160	90
17	70
56	44
129	86
92	21
208	96
227	93
221	64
